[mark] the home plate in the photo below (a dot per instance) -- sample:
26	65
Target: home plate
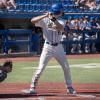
86	95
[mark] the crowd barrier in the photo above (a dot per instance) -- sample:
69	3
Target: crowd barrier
6	42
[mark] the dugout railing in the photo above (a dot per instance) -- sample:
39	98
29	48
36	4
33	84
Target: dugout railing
8	42
68	42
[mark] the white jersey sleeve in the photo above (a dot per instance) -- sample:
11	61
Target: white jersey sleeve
62	22
40	23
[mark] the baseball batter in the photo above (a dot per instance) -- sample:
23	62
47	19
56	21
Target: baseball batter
53	27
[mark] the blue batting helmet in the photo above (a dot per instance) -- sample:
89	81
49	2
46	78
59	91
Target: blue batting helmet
56	8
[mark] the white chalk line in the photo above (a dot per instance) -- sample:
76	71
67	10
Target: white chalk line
86	95
88	66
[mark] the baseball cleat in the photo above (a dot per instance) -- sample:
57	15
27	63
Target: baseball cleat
71	90
29	91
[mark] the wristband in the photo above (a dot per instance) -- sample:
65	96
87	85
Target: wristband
53	19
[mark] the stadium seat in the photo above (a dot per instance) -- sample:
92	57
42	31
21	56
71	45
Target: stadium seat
33	1
29	6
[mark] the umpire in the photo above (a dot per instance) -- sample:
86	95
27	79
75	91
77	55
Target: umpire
5	69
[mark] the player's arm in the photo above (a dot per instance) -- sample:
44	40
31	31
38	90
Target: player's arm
38	18
57	24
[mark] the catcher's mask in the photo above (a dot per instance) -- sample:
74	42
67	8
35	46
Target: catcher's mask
8	63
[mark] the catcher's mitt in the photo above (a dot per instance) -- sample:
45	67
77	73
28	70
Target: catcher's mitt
3	75
4	69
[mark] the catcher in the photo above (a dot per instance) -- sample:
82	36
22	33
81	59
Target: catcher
5	69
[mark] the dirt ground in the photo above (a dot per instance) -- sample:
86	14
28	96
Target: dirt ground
81	56
49	91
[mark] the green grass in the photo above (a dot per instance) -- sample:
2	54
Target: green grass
79	75
86	75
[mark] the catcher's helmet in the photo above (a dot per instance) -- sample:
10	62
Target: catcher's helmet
8	64
56	8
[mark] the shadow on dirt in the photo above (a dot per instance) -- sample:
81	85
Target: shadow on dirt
20	95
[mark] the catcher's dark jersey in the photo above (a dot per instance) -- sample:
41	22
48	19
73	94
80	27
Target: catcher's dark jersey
3	75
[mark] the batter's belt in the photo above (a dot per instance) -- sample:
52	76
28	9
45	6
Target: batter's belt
53	44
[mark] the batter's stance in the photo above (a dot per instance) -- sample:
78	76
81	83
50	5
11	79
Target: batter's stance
53	27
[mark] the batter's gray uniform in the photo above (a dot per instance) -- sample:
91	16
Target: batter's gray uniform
52	48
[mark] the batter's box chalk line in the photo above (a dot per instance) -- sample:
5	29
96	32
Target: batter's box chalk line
38	98
86	95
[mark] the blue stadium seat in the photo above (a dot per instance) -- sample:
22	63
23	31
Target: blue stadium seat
49	2
19	1
68	8
42	8
36	6
29	8
33	1
68	2
44	2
